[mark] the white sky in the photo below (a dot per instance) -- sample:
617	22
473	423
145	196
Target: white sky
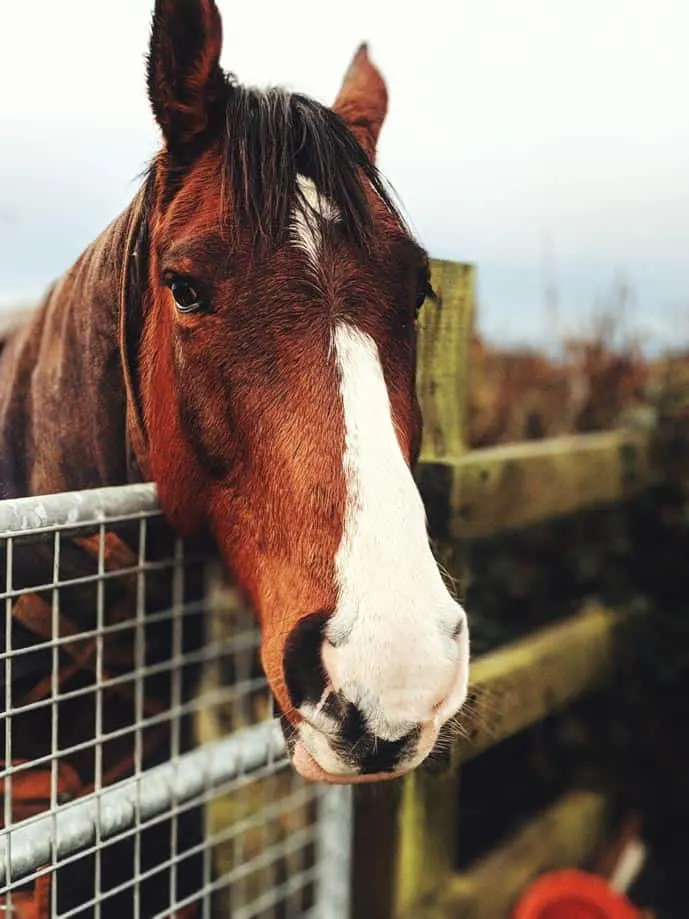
512	126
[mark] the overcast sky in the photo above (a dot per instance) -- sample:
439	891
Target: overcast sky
538	139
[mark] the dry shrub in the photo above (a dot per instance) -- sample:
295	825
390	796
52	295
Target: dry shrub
520	394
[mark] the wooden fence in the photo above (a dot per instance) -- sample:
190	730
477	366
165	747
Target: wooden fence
406	830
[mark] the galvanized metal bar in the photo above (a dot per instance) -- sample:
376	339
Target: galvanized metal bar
240	765
74	827
334	853
8	700
34	515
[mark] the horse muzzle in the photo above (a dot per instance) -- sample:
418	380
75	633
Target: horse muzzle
334	758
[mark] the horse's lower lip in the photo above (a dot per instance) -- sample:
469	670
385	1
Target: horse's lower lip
307	767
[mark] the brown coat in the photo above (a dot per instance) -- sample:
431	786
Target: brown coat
68	415
69	420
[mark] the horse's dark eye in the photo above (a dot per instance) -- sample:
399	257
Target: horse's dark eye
186	295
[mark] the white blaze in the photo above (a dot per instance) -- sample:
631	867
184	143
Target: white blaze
394	655
307	217
391	646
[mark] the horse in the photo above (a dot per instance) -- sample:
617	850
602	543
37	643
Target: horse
243	334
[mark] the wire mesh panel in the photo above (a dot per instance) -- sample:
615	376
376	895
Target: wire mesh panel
143	772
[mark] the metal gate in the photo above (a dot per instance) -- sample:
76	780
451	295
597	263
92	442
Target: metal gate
144	773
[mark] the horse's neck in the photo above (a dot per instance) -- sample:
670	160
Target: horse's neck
63	402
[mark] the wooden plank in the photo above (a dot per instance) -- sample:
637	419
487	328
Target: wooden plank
489	491
567	834
444	338
519	684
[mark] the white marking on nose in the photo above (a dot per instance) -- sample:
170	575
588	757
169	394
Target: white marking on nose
394	654
311	210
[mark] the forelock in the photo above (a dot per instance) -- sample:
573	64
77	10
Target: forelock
271	138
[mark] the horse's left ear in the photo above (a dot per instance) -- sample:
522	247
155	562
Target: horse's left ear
185	81
363	101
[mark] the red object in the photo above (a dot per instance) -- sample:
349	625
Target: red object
573	894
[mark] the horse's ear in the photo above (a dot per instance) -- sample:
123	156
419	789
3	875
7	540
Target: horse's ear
185	81
363	101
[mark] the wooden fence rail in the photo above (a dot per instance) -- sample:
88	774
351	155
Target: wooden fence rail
406	830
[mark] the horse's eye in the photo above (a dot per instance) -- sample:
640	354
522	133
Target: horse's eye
186	295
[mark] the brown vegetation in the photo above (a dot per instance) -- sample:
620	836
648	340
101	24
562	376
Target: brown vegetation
524	395
595	384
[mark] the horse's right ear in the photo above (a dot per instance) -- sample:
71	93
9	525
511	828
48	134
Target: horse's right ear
185	81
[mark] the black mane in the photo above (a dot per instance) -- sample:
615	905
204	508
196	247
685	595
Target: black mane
270	137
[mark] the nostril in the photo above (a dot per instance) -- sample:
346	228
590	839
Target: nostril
305	674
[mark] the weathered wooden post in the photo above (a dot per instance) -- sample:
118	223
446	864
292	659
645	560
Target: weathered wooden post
444	341
405	830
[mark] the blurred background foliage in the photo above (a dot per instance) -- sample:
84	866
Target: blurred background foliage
629	740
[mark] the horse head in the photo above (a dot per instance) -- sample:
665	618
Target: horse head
277	377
